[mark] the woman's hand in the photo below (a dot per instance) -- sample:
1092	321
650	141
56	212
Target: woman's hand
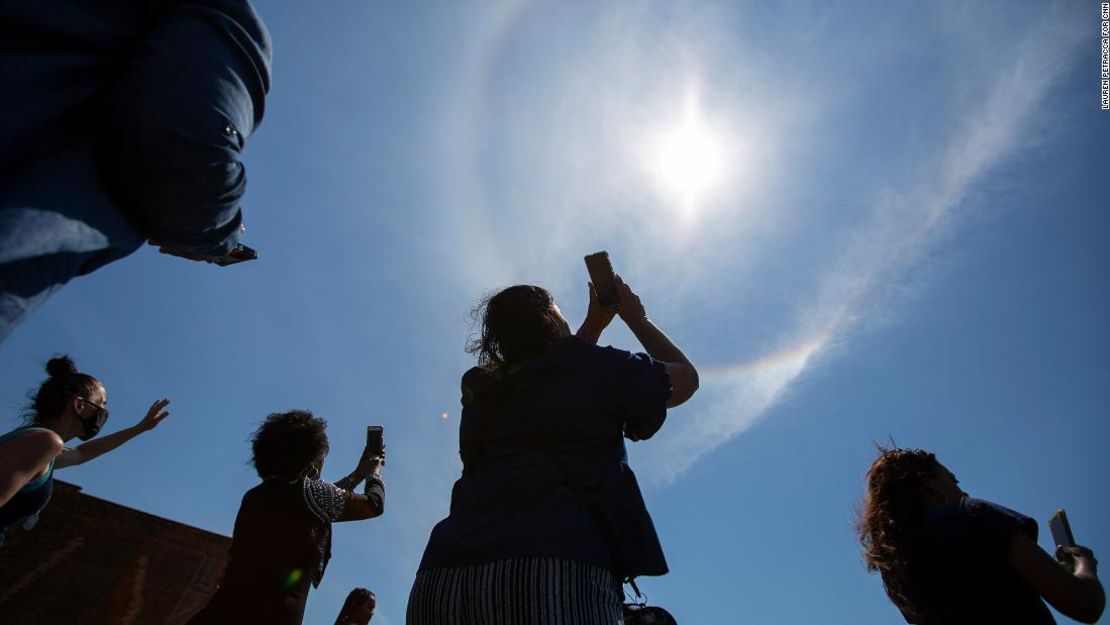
1078	558
630	308
597	318
370	464
154	416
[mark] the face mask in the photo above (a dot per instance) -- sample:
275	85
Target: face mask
92	422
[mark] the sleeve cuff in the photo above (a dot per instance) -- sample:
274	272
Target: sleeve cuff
371	482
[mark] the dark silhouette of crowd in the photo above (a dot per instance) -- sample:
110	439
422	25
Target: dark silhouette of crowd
135	137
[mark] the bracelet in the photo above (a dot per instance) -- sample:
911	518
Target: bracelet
349	482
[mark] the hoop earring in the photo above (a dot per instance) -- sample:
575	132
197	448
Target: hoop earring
313	473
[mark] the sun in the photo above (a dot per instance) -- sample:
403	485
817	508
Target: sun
687	159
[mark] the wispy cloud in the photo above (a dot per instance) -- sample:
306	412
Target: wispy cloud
869	276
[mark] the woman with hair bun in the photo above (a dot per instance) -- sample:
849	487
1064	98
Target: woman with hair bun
68	404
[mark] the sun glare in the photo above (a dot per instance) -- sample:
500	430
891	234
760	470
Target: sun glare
687	158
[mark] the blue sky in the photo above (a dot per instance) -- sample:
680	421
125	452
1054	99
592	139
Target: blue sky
897	234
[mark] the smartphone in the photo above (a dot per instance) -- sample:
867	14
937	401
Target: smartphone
238	254
1061	530
374	440
605	281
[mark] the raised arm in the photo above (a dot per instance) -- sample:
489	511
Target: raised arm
25	458
684	377
368	505
103	444
372	502
1078	595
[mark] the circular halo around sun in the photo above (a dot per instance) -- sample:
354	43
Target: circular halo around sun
686	158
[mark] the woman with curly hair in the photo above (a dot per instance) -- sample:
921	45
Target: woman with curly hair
282	538
946	558
547	517
67	405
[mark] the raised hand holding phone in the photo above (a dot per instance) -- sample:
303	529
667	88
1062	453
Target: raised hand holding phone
603	278
373	455
1069	554
1061	529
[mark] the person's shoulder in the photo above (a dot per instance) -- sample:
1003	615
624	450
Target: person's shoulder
324	499
39	442
981	507
270	489
476	381
261	489
274	497
604	354
476	376
993	515
624	365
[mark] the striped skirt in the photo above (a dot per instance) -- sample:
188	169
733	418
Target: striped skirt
532	591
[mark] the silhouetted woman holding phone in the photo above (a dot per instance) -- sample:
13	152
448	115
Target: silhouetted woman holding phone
547	517
948	559
282	538
68	405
